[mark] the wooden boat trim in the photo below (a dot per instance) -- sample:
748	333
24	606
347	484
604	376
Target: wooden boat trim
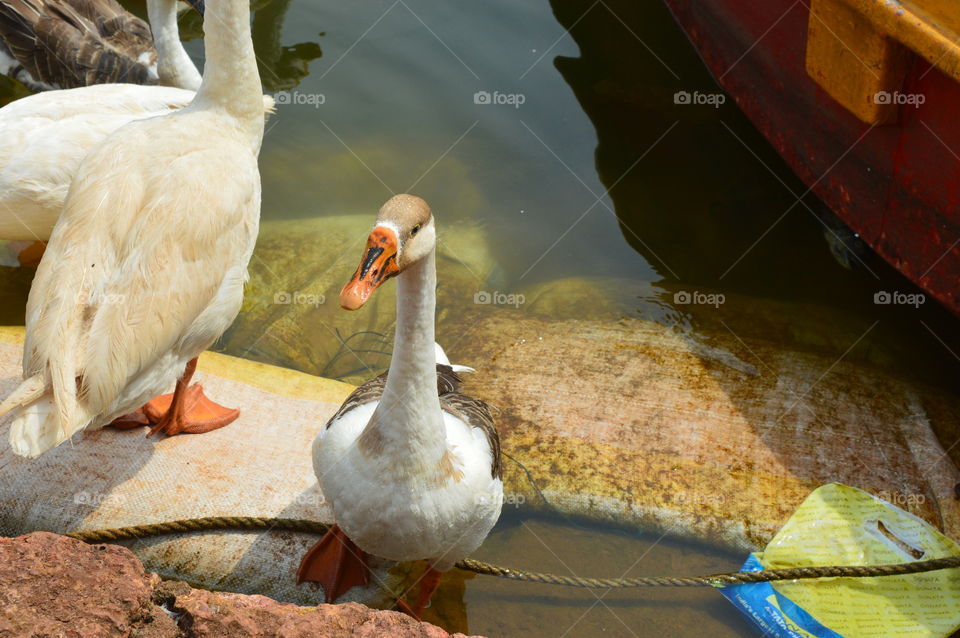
859	51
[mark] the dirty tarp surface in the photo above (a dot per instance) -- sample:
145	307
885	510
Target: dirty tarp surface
258	466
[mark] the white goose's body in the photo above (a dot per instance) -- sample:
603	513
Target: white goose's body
410	465
44	137
145	267
398	509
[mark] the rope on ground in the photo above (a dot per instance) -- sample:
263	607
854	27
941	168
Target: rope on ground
256	523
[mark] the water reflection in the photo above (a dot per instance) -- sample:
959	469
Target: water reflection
282	67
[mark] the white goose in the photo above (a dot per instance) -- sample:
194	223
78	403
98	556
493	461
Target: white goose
410	466
64	44
145	267
44	137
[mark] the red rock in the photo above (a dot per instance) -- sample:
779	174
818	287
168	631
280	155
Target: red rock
55	586
224	615
51	585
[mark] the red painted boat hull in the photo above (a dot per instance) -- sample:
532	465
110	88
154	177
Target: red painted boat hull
897	185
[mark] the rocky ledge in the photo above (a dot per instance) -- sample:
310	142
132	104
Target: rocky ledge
55	586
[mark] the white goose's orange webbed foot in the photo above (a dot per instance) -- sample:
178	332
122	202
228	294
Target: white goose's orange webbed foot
186	411
336	563
196	413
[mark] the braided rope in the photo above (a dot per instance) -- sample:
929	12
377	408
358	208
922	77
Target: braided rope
203	524
250	523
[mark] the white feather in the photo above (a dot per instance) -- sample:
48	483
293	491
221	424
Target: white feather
442	359
444	522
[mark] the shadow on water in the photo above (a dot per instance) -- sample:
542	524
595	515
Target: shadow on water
282	67
713	207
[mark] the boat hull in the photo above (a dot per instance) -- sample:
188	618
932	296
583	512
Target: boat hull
897	185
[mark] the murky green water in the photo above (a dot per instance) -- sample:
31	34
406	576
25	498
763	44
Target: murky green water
566	152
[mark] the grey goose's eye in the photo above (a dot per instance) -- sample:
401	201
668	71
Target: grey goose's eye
416	229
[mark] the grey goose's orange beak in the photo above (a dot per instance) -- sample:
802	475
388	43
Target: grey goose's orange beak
379	263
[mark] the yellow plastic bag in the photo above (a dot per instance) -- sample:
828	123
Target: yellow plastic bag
841	525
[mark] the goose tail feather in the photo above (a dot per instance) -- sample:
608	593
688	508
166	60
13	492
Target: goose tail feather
36	426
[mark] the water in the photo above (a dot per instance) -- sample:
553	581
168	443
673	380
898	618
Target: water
597	173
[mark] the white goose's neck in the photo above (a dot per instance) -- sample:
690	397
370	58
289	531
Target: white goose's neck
174	66
230	79
408	417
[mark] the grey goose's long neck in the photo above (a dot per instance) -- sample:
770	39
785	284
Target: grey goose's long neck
408	418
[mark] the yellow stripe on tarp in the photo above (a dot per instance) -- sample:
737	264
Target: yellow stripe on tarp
282	381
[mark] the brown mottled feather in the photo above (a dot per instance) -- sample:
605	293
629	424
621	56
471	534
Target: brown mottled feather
473	412
74	43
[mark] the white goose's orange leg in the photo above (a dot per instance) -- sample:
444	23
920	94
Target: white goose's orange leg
187	410
30	256
428	584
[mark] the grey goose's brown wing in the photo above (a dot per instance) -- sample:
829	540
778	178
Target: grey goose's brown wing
447	380
124	31
58	45
476	413
366	392
473	412
370	391
18	29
